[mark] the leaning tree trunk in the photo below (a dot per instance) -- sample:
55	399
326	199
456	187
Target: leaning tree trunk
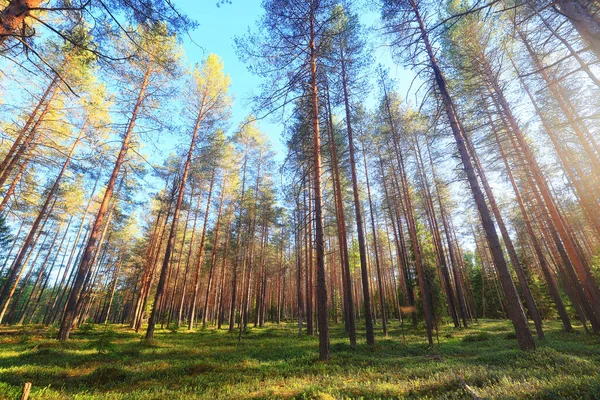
435	233
462	306
561	225
512	253
516	313
11	281
584	22
85	263
49	92
552	288
410	219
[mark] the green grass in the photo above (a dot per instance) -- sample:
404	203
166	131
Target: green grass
273	362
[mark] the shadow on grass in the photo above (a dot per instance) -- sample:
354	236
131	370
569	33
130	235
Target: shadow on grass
274	361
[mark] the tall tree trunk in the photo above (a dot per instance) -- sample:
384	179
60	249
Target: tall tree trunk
11	280
572	52
322	309
410	220
581	267
30	142
435	233
357	209
375	247
41	274
512	253
213	257
298	269
341	228
552	288
310	329
516	313
63	287
48	93
9	192
200	256
590	206
238	240
85	264
408	298
567	107
221	295
585	23
160	289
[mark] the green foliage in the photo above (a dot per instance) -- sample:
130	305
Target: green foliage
87	328
174	327
103	344
5	235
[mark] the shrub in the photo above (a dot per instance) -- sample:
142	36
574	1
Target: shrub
104	343
87	328
174	327
477	337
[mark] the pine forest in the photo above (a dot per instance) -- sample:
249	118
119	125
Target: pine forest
299	199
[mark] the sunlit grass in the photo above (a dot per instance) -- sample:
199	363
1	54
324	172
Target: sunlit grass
273	362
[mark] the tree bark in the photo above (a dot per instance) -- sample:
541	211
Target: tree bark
200	256
322	309
85	264
516	313
583	21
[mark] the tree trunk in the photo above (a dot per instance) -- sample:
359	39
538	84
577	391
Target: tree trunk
200	256
512	253
236	259
85	264
322	309
585	23
375	249
554	293
158	298
410	220
12	18
213	257
11	281
359	221
516	313
341	228
435	233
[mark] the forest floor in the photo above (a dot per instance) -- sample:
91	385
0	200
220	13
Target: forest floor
273	362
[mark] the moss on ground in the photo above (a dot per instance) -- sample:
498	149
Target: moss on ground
273	362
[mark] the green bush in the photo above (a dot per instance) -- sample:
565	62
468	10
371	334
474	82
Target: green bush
477	337
104	343
87	328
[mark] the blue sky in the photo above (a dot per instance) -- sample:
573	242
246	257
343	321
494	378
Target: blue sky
215	34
